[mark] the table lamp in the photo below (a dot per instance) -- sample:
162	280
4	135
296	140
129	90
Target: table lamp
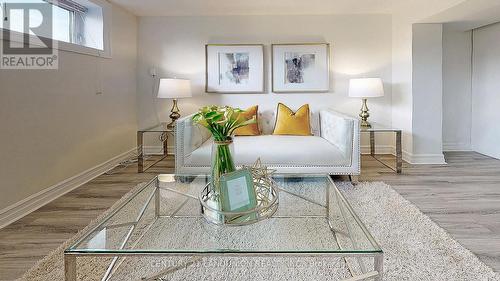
173	88
365	88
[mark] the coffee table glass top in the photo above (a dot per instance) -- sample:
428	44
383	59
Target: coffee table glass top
164	217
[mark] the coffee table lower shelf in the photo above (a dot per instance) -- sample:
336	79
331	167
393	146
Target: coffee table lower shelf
70	262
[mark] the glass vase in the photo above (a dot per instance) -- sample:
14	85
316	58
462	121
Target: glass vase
222	161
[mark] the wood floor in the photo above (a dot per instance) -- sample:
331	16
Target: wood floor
463	197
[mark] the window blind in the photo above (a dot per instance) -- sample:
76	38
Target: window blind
69	5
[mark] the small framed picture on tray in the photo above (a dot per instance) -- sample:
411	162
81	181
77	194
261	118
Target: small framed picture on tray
238	194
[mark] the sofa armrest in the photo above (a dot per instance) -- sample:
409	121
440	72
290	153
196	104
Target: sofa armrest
188	137
343	132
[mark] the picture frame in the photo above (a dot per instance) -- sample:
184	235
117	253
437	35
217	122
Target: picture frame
300	67
234	68
238	193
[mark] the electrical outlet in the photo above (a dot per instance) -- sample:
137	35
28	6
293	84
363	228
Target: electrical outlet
152	71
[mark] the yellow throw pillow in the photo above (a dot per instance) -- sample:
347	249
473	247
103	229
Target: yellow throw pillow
251	129
292	123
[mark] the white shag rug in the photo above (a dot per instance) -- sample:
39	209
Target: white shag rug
415	248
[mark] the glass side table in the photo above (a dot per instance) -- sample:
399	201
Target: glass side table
165	132
376	128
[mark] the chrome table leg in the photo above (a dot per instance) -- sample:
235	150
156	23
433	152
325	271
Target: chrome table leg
140	153
399	153
69	267
379	266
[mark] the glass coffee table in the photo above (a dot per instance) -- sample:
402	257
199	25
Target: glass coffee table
161	221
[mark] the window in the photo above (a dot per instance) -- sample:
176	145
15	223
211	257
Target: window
75	23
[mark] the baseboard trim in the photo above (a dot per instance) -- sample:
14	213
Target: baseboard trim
386	149
425	159
433	159
456	147
157	149
20	209
379	149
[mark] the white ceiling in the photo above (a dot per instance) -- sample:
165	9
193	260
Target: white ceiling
279	7
467	13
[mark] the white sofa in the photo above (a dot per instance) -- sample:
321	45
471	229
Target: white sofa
333	149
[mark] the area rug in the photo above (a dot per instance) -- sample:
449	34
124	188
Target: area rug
415	248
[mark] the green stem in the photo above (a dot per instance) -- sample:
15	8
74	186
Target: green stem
223	163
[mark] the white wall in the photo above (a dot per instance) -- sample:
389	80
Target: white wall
457	118
486	91
402	100
427	93
361	47
54	126
406	14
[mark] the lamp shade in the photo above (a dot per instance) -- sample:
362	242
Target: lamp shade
173	88
366	88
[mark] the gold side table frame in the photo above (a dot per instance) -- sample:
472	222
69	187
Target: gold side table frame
375	128
164	132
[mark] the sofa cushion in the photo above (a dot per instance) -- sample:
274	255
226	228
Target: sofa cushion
250	129
267	120
292	123
276	150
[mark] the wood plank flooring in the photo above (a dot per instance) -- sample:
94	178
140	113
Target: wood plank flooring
463	197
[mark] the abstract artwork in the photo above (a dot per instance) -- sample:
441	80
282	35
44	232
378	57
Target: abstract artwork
297	66
234	68
301	67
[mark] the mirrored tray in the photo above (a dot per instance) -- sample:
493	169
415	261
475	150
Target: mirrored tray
267	202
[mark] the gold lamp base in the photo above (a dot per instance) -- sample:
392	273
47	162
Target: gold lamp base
364	116
174	115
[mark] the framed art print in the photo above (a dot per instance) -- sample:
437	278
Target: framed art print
234	68
238	193
301	67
